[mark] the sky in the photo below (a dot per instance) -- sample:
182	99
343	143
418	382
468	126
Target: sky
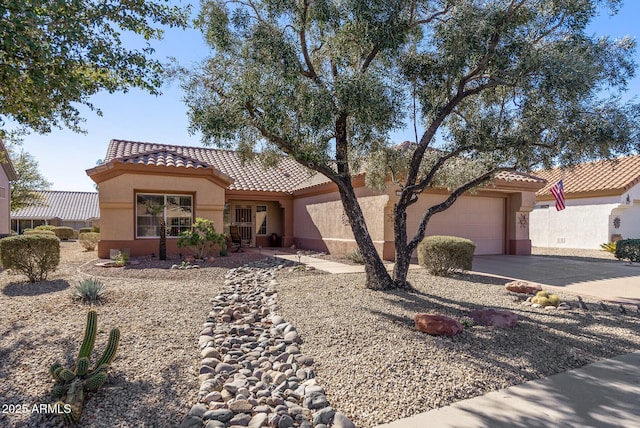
64	156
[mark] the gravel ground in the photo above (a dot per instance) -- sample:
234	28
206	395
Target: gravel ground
153	380
376	368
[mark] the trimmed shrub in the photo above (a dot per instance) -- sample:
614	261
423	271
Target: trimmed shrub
443	255
95	229
89	240
33	255
628	249
39	232
85	230
64	233
45	227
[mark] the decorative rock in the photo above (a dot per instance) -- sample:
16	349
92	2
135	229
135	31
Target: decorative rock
222	415
341	421
494	318
241	419
198	410
323	416
240	406
258	420
315	400
212	423
437	325
522	287
286	421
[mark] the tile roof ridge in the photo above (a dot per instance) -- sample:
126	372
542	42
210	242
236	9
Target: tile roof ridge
66	191
170	146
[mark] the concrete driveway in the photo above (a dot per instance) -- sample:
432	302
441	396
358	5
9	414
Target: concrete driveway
605	279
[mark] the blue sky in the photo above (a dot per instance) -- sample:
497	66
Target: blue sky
63	156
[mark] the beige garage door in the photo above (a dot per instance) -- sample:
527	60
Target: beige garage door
479	219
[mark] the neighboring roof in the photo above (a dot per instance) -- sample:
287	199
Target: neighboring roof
608	177
68	206
248	176
7	165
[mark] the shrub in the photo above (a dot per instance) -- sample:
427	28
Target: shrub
356	256
90	291
33	255
89	240
85	230
95	229
202	238
628	249
45	227
64	233
121	259
442	255
39	232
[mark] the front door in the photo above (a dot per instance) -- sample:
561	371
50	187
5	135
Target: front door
244	221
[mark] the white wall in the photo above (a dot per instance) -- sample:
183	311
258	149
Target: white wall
585	223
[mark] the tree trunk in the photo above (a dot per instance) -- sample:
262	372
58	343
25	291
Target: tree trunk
377	276
162	251
403	251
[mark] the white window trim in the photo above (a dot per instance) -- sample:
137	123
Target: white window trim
164	195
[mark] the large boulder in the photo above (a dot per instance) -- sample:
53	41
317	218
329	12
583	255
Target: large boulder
494	318
522	287
437	325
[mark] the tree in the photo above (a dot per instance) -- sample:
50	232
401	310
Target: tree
56	54
157	211
24	191
508	84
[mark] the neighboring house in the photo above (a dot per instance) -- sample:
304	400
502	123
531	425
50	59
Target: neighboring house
602	205
7	175
283	205
59	208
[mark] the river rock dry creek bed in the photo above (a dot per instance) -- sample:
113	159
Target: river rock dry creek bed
355	349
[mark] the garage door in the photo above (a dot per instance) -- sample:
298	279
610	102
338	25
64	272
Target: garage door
479	219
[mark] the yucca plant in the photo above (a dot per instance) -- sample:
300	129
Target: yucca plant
609	247
90	290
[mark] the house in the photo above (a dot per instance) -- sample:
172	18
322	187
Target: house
59	208
602	205
283	205
7	175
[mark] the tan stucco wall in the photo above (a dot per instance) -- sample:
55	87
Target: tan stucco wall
117	206
5	203
320	223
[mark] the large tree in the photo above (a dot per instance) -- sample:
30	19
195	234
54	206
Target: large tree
506	83
24	191
55	54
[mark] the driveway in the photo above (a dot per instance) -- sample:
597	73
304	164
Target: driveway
606	279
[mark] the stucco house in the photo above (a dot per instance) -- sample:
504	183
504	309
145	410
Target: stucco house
7	175
283	205
59	208
602	205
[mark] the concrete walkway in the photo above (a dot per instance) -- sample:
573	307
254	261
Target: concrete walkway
602	394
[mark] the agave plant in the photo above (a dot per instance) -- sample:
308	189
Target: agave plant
609	247
90	290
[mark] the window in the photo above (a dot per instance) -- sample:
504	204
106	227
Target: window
261	219
175	209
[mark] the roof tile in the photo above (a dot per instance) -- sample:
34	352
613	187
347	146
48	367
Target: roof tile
69	206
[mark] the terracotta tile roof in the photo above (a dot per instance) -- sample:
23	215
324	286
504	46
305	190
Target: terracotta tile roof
250	176
519	176
614	177
69	206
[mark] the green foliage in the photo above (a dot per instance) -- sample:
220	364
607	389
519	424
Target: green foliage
90	290
89	240
355	256
72	384
467	322
85	230
25	190
45	227
121	259
544	298
64	233
38	232
627	249
53	63
493	86
32	255
202	238
443	255
95	229
609	247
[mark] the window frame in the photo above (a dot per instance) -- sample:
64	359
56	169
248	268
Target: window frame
265	222
168	225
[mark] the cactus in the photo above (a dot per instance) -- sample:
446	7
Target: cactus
544	298
71	385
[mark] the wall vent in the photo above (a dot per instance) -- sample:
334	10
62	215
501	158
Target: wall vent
560	241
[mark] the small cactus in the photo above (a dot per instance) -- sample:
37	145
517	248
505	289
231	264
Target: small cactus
544	298
71	385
